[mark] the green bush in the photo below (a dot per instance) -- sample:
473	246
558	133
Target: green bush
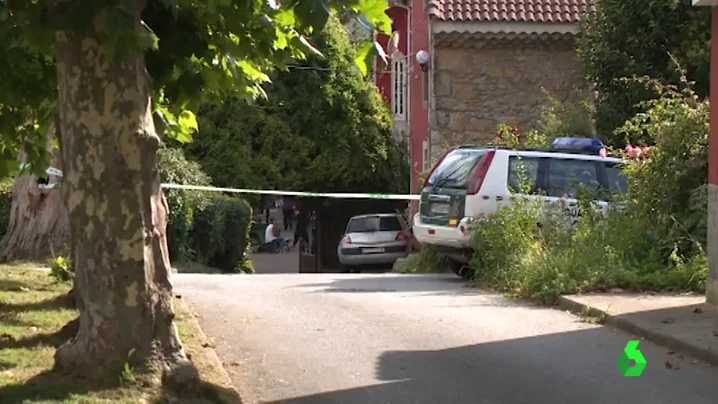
61	269
5	205
667	191
220	235
175	168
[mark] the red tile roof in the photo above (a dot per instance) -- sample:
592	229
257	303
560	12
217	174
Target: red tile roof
530	11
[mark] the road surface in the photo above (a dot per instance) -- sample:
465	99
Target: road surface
391	338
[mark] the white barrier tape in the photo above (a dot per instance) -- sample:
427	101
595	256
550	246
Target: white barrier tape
57	172
50	171
398	197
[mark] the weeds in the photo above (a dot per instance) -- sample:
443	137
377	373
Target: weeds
425	260
61	269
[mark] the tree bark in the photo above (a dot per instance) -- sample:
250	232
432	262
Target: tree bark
38	227
117	214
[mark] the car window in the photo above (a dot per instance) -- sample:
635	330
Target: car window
371	224
523	172
567	176
453	171
617	183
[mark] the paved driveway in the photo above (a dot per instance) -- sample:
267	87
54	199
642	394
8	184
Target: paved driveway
390	338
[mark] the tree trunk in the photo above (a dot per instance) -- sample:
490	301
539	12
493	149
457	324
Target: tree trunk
38	227
117	213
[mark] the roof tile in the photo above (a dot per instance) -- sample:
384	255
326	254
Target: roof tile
544	11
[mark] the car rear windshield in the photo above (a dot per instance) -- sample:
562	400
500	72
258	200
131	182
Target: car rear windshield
370	224
453	171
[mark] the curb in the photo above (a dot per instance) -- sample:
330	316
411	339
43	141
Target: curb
213	354
697	352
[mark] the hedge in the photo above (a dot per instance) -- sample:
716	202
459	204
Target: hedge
203	227
220	234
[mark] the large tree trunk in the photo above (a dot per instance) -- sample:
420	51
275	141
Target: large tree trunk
38	227
117	214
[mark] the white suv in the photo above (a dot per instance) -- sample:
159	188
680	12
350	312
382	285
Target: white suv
471	181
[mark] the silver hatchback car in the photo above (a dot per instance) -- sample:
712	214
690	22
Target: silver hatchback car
374	240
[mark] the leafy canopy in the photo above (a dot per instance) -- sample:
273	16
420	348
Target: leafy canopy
626	38
195	52
322	127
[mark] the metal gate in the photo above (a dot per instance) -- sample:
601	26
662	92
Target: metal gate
308	248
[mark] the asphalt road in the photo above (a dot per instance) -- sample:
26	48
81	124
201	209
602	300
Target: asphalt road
390	338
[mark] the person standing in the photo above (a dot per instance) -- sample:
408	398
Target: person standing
300	230
288	211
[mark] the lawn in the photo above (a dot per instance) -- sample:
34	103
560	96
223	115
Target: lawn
33	310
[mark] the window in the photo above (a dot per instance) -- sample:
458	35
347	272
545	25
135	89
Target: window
398	87
567	176
614	177
370	224
523	173
425	147
453	171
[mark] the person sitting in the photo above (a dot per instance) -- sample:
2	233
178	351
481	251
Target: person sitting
273	236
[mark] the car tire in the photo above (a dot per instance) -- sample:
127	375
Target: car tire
459	268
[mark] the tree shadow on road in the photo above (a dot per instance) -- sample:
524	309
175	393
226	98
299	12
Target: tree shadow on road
390	282
571	367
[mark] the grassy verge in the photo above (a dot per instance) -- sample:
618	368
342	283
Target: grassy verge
33	310
425	260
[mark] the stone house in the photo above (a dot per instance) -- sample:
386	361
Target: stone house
491	62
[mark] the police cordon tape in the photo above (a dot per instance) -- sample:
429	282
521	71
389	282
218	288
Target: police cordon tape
399	197
338	195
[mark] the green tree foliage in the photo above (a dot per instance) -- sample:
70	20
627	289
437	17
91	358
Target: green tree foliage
626	38
323	127
194	52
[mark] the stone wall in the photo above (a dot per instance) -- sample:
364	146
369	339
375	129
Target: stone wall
475	90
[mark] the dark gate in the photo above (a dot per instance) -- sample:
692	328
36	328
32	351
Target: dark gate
328	219
309	249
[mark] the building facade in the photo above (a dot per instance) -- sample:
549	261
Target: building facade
494	61
403	84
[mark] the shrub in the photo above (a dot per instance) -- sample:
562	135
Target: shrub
61	269
667	190
220	234
175	168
